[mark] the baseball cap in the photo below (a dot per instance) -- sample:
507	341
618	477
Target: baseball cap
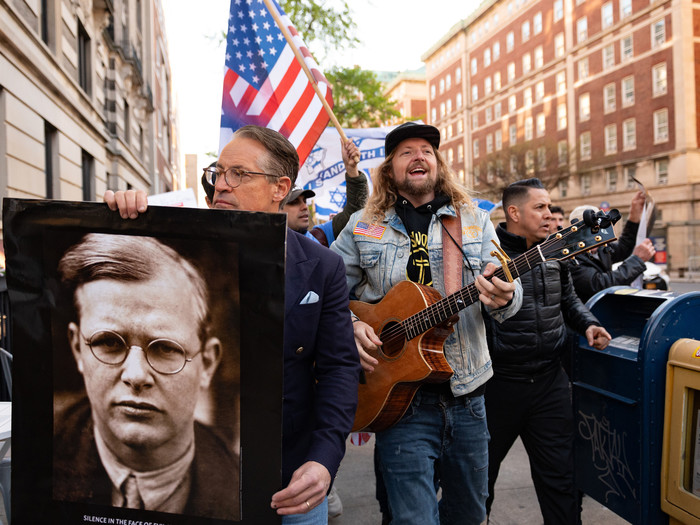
411	130
307	194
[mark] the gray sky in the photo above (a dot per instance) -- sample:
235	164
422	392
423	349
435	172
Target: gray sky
394	35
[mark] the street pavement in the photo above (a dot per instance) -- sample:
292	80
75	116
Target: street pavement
515	502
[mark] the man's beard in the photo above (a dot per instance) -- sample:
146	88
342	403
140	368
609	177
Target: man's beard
416	188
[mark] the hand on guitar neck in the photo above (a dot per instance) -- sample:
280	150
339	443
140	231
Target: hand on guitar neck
493	292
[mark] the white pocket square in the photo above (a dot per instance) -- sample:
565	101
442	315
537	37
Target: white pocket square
310	298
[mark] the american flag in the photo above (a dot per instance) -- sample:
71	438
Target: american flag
264	84
368	230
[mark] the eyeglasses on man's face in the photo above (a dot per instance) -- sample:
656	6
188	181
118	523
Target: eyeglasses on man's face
165	356
233	176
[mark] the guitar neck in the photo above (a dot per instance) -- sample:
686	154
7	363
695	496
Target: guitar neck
440	311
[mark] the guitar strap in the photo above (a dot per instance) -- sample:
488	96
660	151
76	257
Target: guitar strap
451	253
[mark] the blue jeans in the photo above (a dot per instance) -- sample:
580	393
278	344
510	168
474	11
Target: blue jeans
316	516
440	433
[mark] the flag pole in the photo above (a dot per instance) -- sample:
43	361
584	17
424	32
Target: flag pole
302	63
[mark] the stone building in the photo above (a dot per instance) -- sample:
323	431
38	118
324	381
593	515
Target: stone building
85	99
587	95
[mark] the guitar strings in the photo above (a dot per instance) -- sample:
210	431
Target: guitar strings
427	316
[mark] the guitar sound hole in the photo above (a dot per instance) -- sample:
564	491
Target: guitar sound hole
393	338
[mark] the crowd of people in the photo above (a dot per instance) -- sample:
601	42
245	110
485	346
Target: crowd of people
438	463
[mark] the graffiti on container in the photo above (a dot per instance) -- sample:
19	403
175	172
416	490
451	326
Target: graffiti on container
608	455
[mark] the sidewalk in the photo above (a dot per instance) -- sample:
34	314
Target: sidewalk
515	502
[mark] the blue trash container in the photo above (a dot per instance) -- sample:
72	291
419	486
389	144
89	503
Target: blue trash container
618	397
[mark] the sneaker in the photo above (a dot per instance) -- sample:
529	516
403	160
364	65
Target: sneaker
335	506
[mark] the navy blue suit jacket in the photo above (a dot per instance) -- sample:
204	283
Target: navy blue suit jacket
321	363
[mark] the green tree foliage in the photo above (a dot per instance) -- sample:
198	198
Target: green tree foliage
358	97
323	27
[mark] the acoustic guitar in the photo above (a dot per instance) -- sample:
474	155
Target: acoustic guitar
413	321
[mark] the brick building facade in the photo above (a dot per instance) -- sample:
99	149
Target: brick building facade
585	94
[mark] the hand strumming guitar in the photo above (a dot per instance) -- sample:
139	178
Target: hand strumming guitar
366	339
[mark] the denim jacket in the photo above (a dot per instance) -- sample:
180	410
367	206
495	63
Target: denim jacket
374	265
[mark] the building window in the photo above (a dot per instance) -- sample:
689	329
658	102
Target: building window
541	158
584	107
432	92
661	168
448	82
487	57
528	128
498	139
606	14
625	8
127	123
475	93
489	143
512	134
476	148
50	159
489	114
475	120
658	75
489	174
497	80
527	98
497	110
433	115
460	126
460	153
561	116
586	184
586	146
87	171
473	66
513	165
529	163
611	179
563	152
537	23
527	63
443	110
608	56
511	72
450	156
563	188
539	90
627	91
496	50
512	106
626	48
84	60
458	99
458	75
558	10
540	125
609	98
661	125
630	172
583	68
510	41
539	57
525	31
449	106
487	86
581	29
559	48
629	134
658	33
561	82
442	86
610	139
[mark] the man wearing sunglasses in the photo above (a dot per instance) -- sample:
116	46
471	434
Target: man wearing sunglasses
255	172
146	359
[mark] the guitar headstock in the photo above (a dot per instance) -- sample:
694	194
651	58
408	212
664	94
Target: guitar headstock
594	230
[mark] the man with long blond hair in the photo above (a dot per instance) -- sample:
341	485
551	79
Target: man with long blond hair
400	236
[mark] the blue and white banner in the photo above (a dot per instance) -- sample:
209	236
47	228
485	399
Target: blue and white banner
324	171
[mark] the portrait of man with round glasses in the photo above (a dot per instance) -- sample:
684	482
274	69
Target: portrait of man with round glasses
142	342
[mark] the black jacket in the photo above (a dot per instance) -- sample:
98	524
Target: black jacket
530	343
593	274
